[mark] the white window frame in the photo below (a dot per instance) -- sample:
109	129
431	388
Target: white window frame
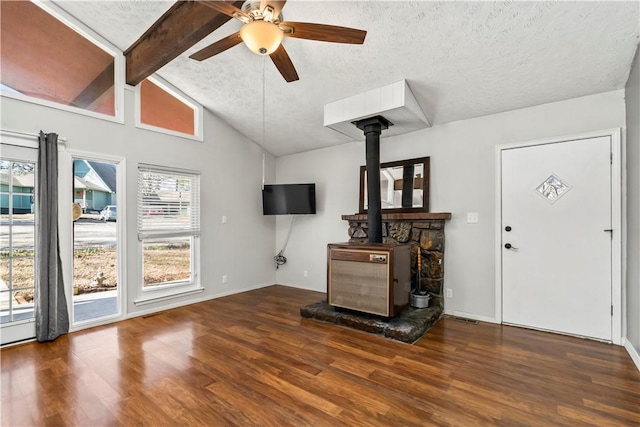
182	97
119	66
159	292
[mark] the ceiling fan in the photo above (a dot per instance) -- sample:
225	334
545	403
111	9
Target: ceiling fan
264	29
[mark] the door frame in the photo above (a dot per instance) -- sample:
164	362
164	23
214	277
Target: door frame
65	176
617	223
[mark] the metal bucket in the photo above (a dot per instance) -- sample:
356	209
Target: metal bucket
420	301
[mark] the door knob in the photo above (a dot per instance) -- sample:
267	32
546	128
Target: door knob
509	246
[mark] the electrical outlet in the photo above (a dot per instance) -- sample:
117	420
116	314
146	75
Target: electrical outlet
449	293
472	217
224	219
224	278
305	273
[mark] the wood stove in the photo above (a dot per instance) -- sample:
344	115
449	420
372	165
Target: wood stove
373	278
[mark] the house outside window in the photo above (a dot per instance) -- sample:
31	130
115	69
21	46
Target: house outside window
168	226
94	184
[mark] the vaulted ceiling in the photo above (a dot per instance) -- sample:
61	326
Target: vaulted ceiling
461	60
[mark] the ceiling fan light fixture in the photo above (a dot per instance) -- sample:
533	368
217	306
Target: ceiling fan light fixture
261	37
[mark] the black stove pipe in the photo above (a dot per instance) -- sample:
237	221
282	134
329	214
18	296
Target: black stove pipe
372	128
407	186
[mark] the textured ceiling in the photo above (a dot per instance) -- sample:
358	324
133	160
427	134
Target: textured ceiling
461	59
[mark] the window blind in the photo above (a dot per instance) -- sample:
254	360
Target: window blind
168	203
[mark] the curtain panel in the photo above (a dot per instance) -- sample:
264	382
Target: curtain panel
52	315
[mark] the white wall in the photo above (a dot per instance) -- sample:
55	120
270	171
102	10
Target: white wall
462	180
632	94
231	176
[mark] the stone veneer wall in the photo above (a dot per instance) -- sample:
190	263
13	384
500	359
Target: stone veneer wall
424	232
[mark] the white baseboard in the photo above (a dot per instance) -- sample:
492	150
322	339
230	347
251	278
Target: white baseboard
146	300
88	324
633	353
307	288
240	290
166	307
197	300
13	344
471	316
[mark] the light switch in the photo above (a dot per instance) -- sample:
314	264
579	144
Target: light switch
224	219
472	217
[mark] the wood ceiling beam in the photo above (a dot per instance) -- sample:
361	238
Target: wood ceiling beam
182	26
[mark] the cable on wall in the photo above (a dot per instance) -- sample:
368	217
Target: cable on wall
280	258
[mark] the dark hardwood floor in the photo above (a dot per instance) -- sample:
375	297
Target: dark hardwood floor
251	360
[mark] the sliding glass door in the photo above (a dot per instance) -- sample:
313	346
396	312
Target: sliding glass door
17	242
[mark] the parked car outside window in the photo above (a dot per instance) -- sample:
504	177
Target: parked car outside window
108	213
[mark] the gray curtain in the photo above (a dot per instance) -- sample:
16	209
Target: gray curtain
52	316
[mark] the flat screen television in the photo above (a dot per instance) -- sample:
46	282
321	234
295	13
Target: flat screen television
289	199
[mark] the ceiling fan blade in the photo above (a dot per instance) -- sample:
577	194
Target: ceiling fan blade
323	33
277	6
283	63
217	47
227	8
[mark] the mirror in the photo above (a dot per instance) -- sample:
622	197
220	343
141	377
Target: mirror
394	194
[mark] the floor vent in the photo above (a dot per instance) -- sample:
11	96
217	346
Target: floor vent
462	319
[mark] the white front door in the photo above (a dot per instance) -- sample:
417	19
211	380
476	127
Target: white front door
556	247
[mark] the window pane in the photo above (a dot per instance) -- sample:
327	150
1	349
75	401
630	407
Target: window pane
22	297
5	315
77	72
95	268
23	233
95	241
22	304
22	269
5	281
17	237
168	203
160	108
4	237
167	260
22	203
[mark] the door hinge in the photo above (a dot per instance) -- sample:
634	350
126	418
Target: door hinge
610	158
612	310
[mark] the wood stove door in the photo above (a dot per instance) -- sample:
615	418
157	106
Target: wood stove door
358	279
556	250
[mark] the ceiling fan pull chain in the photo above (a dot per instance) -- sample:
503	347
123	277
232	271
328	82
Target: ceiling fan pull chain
263	101
263	127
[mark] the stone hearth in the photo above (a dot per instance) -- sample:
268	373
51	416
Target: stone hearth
424	232
407	327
